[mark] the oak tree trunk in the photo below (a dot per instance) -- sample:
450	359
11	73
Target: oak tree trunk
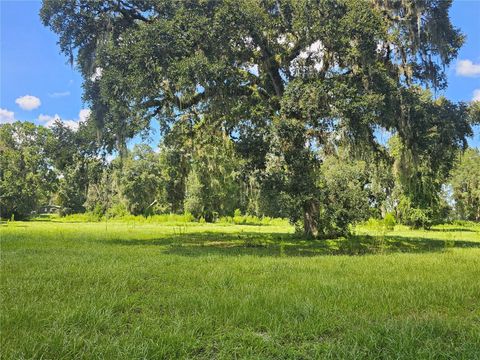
310	218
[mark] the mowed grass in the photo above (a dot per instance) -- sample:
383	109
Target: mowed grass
210	291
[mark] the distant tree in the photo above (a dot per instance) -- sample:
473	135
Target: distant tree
174	166
26	174
72	189
465	182
175	162
103	191
213	186
139	179
292	70
74	155
381	184
425	154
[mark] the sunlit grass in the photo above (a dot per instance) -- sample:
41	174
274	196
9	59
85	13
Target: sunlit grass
129	290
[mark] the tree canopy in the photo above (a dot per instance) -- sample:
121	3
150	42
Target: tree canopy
284	79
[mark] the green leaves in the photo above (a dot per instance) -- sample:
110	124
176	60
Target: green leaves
465	182
26	174
322	69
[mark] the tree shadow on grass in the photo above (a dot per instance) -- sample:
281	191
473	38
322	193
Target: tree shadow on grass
281	244
451	230
204	238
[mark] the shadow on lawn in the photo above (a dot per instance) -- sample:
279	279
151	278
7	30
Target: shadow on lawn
451	230
281	244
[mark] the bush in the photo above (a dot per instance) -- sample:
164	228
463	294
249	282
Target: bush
467	223
171	218
117	211
116	214
418	218
414	216
381	225
239	219
89	216
389	221
375	224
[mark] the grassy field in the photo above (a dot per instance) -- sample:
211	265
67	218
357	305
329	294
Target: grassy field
150	291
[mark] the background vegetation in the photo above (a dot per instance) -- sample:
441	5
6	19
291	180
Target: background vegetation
271	107
62	167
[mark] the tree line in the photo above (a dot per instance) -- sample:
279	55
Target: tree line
278	89
206	176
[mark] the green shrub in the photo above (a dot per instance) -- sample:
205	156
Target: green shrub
251	220
89	216
117	211
375	224
117	214
389	221
414	216
171	218
468	223
418	218
381	225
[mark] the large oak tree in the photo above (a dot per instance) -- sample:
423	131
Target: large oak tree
279	76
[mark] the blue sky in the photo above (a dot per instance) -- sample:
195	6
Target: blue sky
37	84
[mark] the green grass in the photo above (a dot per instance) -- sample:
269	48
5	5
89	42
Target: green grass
123	290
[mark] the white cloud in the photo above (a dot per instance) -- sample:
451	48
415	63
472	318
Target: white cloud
314	52
6	117
84	114
313	48
59	94
476	95
97	74
252	69
28	102
109	158
283	40
467	68
72	124
49	120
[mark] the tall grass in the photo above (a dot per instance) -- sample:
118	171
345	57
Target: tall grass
169	218
221	291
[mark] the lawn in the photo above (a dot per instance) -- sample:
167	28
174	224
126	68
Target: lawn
122	290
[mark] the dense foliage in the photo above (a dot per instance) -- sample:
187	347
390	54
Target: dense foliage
59	166
269	107
26	176
465	182
280	78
